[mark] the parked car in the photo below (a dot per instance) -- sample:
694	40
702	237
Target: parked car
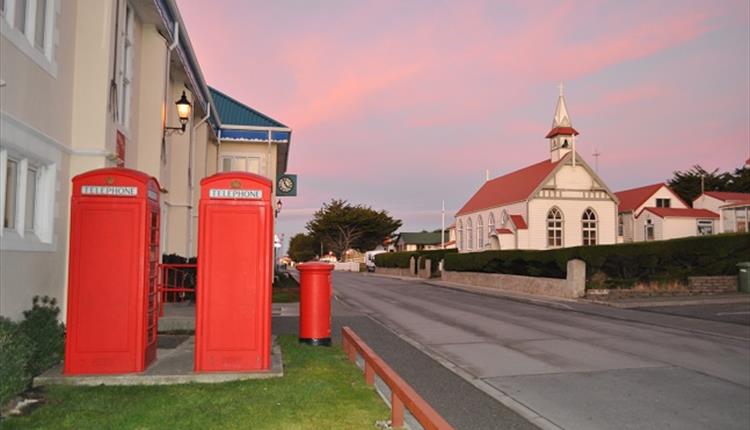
370	259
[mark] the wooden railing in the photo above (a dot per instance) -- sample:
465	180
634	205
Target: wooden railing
402	395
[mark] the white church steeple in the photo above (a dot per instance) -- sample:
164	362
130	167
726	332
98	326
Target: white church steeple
562	134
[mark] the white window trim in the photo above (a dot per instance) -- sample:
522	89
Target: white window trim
22	142
261	160
25	42
594	229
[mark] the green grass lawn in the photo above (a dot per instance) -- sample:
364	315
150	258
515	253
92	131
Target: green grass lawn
320	390
285	295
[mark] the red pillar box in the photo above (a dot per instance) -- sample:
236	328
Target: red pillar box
315	303
114	254
233	303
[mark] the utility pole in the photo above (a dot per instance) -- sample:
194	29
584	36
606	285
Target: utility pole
442	228
703	182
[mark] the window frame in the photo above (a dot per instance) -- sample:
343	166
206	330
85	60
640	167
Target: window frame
24	40
702	223
480	232
555	240
660	203
591	226
236	156
460	235
125	67
470	234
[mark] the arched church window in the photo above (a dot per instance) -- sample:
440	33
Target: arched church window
588	227
480	233
460	233
565	143
469	234
490	224
554	228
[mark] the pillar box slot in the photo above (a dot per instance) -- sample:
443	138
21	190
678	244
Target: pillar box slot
233	298
113	266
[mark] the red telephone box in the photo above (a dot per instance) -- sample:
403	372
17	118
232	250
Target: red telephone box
113	264
233	303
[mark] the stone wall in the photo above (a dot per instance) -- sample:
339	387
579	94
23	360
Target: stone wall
574	286
393	271
696	286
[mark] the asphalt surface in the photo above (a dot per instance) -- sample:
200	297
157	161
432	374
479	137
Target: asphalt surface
736	313
459	402
579	365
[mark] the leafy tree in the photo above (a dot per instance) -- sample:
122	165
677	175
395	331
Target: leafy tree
341	226
687	184
302	247
740	181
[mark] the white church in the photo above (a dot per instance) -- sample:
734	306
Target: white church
557	202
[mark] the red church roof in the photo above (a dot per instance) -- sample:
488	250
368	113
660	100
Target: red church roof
513	187
681	212
561	130
504	231
726	196
631	199
519	222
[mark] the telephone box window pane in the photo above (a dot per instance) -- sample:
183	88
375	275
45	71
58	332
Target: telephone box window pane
29	213
11	179
39	27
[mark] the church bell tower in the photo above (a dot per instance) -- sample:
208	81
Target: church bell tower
561	136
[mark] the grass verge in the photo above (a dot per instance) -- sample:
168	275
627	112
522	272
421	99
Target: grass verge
320	390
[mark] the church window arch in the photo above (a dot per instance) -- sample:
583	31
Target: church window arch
555	228
490	224
589	226
480	232
469	234
460	233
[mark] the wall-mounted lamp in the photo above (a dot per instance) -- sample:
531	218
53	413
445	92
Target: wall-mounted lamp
183	112
279	205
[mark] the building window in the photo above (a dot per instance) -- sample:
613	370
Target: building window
469	234
11	188
27	193
490	225
480	233
662	203
125	68
588	227
649	231
241	163
554	228
30	27
705	227
620	225
460	233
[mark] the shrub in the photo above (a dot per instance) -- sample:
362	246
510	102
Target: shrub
621	265
394	259
46	333
15	352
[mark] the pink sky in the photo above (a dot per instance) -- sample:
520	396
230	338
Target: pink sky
400	105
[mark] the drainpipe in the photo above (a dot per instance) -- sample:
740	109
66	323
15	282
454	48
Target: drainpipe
170	48
191	179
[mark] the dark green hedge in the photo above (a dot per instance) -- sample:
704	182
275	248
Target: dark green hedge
622	265
394	259
401	259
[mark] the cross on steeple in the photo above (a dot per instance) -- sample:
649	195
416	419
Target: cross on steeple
561	88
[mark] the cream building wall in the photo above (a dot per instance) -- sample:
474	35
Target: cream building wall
35	131
640	226
707	202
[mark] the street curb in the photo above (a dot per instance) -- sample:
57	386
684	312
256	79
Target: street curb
506	400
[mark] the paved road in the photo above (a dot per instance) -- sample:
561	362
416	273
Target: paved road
737	313
587	367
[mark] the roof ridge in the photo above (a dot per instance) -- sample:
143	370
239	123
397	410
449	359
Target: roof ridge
244	106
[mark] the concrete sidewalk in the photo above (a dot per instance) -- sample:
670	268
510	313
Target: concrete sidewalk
459	402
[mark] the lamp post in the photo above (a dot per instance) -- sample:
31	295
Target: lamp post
184	108
279	205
